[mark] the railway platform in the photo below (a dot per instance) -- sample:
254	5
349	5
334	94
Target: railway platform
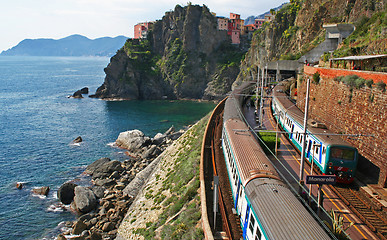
290	167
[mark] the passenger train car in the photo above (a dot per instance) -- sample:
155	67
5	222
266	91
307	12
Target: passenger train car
330	153
266	207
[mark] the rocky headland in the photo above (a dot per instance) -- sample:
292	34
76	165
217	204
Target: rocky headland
102	206
184	56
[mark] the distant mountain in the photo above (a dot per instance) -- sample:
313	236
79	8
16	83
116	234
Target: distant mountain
74	45
251	19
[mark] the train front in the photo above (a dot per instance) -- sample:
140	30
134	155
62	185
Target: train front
342	162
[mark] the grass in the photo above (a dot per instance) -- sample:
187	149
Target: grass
180	209
269	139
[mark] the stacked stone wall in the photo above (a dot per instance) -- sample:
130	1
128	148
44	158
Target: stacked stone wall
356	111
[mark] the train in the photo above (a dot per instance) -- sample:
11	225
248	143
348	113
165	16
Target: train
265	205
329	153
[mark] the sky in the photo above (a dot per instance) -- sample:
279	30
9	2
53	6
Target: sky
27	19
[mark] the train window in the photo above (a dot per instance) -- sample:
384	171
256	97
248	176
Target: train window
258	234
341	153
252	223
323	150
317	147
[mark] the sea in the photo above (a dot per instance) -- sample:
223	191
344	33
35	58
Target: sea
38	123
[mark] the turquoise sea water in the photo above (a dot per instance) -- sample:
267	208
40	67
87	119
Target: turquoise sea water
38	123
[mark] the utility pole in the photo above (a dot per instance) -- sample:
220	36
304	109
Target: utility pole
304	133
256	96
261	102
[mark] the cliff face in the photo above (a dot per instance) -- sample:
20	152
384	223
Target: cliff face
182	58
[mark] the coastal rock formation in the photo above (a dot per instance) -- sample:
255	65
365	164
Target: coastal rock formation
115	185
41	190
85	90
77	94
96	165
84	199
78	139
66	192
132	140
19	185
182	55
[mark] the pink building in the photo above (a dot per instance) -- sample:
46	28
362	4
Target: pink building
222	23
236	19
141	29
235	36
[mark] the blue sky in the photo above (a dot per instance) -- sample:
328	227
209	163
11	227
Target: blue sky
22	19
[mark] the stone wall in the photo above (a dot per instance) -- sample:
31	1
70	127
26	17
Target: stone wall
360	111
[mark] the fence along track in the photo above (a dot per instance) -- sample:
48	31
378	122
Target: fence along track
351	196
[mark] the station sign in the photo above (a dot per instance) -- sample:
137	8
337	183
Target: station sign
321	179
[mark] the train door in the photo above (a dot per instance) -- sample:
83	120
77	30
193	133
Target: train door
308	148
291	131
245	224
237	196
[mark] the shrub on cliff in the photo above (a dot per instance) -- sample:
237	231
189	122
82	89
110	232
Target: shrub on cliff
354	81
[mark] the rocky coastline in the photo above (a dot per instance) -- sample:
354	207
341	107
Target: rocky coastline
102	206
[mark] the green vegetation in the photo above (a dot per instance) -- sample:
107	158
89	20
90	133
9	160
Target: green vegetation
181	210
381	86
175	63
268	138
368	37
354	81
316	78
338	228
140	52
230	55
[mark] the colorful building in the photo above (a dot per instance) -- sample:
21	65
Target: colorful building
223	23
248	28
141	29
258	23
269	17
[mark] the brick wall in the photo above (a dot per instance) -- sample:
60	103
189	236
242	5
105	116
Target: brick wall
362	111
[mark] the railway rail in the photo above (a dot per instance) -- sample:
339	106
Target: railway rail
226	225
354	199
357	202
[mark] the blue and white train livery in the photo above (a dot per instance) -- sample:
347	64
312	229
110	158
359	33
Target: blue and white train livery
330	153
266	207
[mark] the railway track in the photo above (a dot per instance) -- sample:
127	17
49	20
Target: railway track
213	164
354	199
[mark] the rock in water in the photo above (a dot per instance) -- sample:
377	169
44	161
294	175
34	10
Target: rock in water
19	185
41	191
66	192
84	199
95	165
104	171
78	139
77	94
132	140
85	90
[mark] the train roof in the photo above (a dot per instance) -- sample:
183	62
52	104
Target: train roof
280	213
251	160
298	115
